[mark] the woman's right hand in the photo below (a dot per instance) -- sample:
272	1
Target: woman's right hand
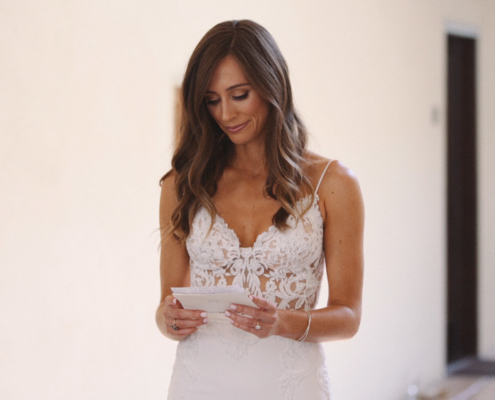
174	272
184	321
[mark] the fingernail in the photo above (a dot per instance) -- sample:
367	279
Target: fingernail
231	321
174	301
227	313
203	315
251	297
233	307
205	320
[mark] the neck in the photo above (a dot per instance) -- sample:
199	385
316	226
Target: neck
250	158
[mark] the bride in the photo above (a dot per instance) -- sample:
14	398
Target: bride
246	203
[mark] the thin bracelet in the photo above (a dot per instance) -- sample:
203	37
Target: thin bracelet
305	334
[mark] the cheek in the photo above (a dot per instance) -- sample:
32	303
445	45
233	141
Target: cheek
211	111
259	108
263	112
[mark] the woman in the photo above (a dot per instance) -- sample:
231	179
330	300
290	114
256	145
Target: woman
246	203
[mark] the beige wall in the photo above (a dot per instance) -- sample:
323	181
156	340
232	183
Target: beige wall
86	122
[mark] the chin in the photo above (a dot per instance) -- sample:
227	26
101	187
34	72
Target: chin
244	138
240	141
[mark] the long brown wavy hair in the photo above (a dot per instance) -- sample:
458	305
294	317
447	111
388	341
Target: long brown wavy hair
204	150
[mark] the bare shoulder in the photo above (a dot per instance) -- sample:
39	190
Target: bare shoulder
339	188
168	199
168	181
338	176
334	173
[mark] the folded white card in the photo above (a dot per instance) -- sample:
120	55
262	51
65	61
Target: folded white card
212	300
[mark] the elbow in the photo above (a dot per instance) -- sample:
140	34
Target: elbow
353	330
354	323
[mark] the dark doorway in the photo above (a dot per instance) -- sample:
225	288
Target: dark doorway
461	208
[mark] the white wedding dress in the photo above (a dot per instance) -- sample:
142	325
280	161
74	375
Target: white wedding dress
222	362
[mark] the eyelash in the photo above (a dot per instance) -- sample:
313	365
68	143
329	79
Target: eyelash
242	97
237	98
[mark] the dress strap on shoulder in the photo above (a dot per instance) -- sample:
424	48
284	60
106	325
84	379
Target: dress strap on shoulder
322	175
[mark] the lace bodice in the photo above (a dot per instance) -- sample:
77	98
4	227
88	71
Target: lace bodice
284	267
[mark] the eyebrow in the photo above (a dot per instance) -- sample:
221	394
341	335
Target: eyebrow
230	88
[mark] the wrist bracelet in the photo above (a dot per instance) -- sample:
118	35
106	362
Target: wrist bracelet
305	334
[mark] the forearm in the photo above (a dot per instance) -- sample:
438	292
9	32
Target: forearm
335	322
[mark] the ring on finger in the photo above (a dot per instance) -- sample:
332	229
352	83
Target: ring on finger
175	327
257	327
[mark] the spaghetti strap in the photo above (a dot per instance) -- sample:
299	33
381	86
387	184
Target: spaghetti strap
322	175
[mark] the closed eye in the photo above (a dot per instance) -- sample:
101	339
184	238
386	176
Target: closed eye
236	98
212	102
241	97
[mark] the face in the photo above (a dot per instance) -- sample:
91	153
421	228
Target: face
235	105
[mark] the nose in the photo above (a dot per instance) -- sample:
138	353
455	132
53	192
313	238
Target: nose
228	111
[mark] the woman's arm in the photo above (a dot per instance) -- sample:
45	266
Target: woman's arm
343	242
174	272
343	213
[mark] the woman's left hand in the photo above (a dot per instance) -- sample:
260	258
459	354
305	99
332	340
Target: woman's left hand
262	321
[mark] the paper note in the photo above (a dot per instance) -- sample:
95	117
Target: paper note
214	300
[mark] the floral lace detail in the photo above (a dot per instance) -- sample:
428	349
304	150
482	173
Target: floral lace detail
300	361
188	350
294	375
284	267
323	377
236	341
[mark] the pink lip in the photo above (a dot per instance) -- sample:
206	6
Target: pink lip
234	129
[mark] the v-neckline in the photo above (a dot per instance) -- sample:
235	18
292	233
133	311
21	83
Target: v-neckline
266	231
234	233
